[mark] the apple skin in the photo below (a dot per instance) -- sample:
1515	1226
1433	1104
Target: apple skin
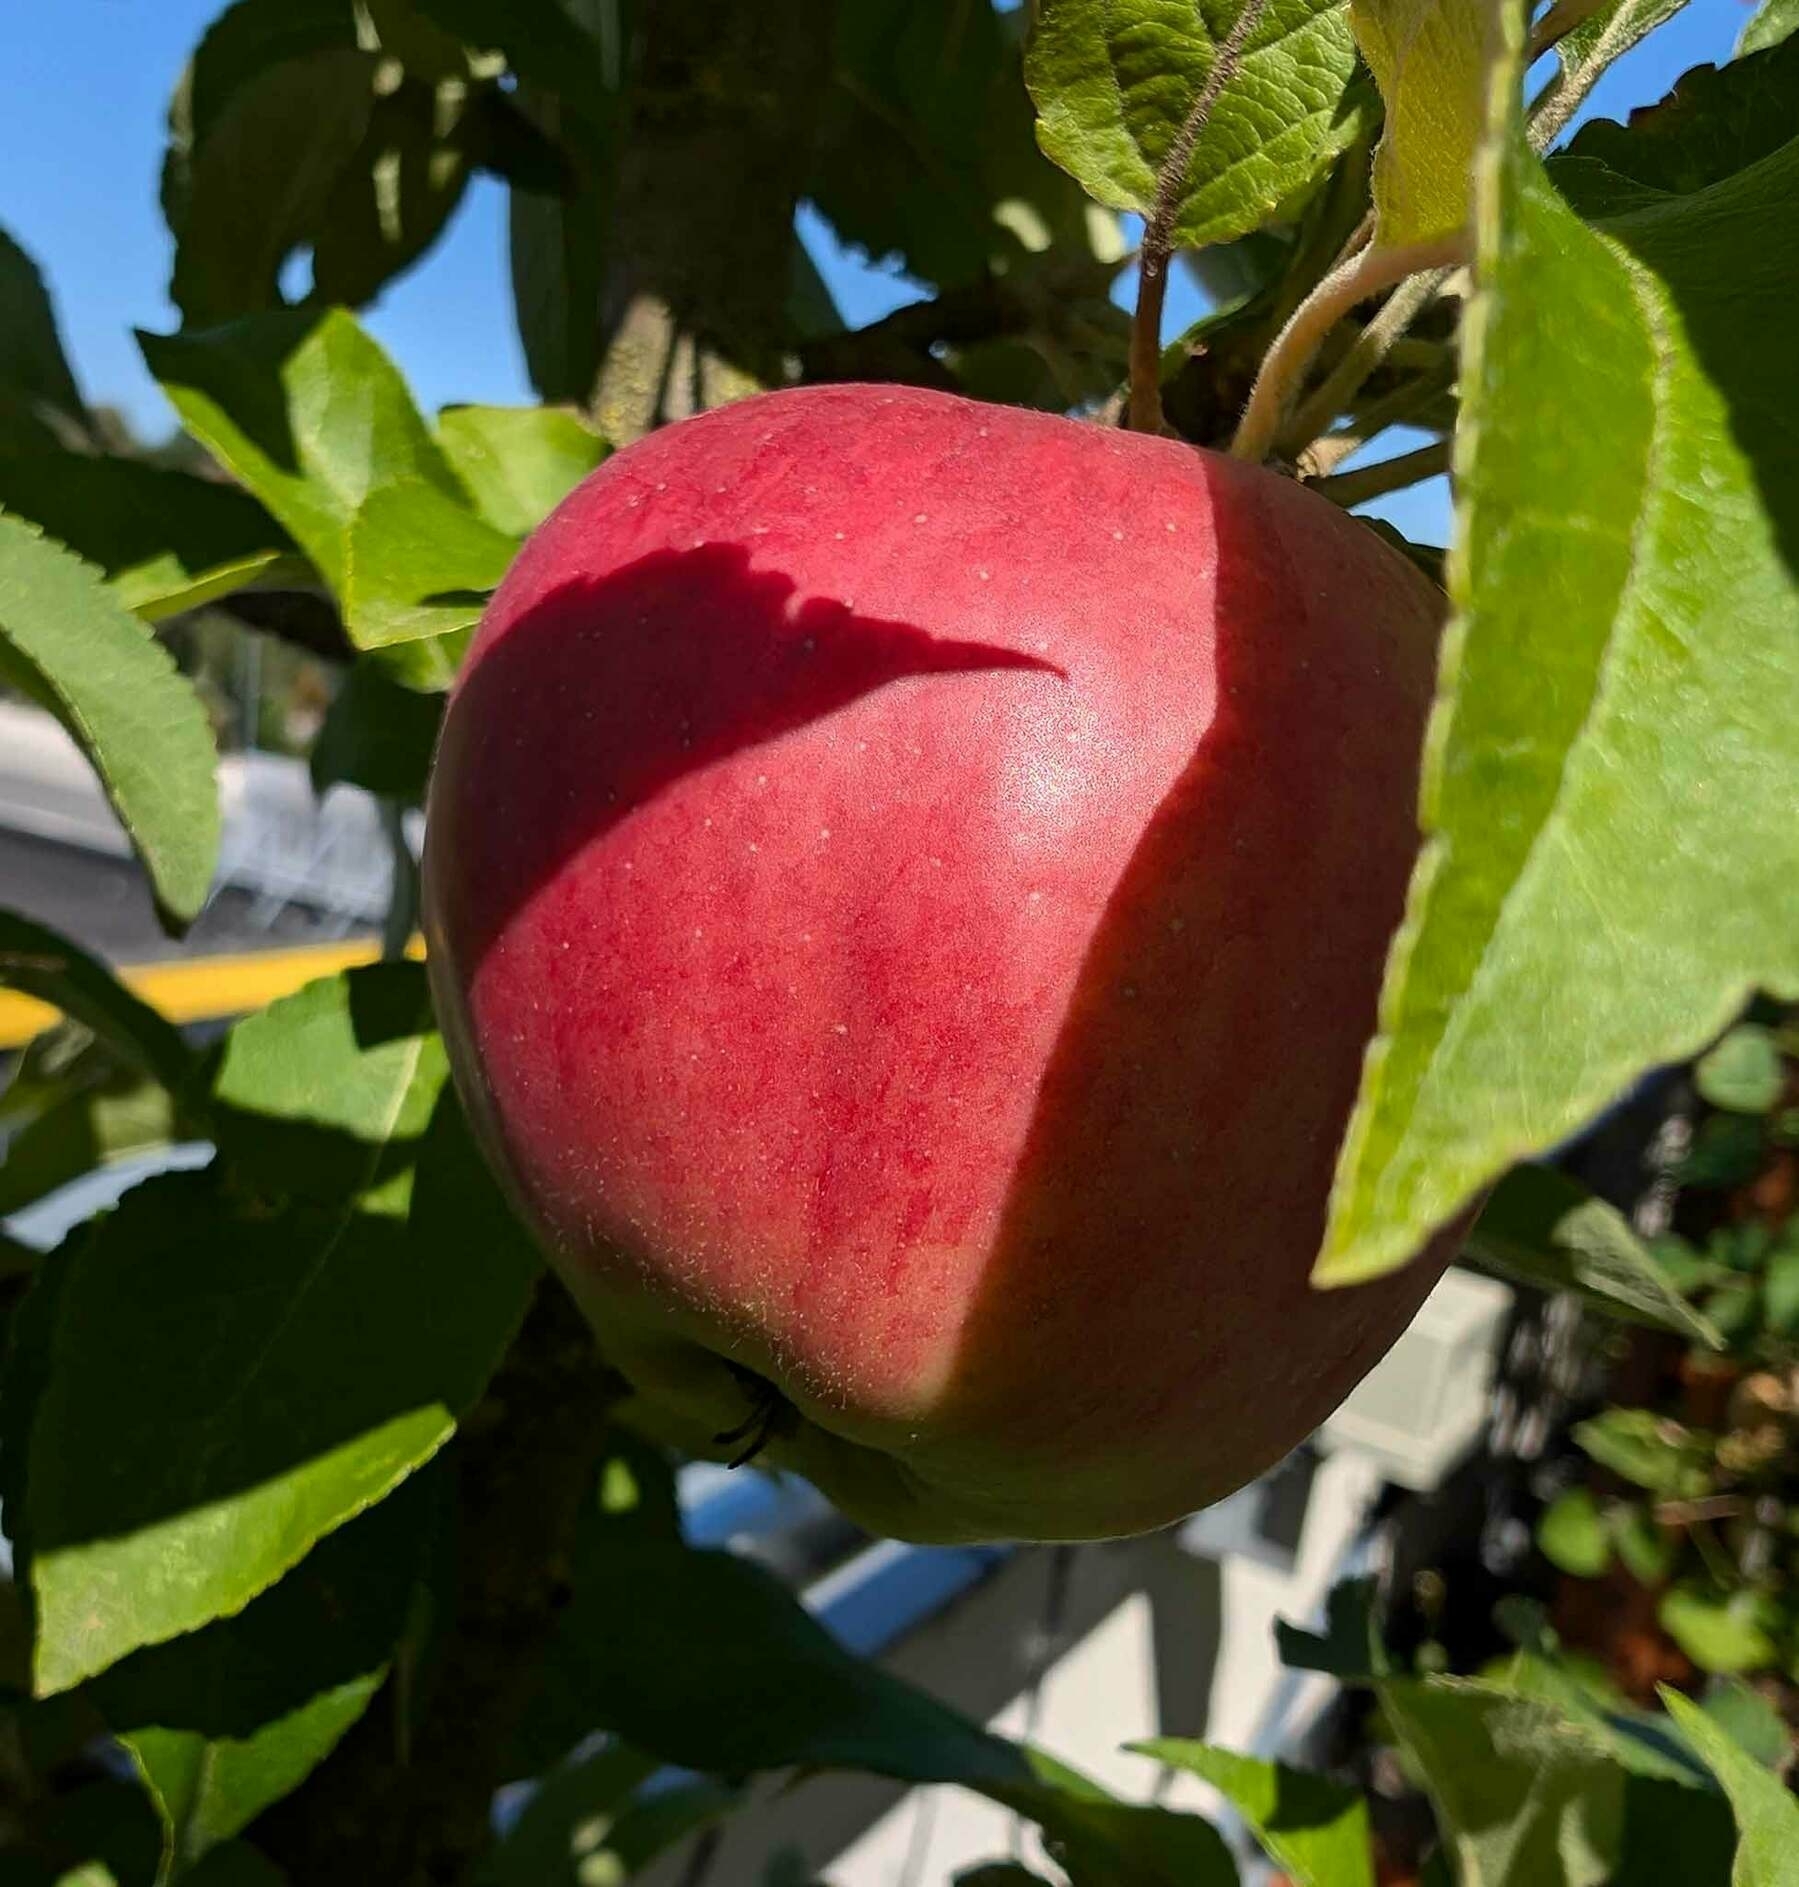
907	887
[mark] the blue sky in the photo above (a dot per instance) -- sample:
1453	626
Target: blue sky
83	91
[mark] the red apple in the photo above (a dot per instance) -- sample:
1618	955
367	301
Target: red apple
907	888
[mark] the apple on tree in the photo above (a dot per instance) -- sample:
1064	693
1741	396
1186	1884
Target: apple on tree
907	888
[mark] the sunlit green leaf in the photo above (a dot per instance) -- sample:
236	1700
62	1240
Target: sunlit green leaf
1772	22
1619	666
1115	84
228	1719
1767	1812
1744	1073
1651	1450
520	462
1722	1632
1431	59
72	647
244	1361
1572	1534
1316	1830
310	414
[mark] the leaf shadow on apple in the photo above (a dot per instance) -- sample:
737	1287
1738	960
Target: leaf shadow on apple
1020	1241
696	644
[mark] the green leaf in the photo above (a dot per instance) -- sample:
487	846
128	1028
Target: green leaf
326	1095
1525	1796
397	190
419	567
1727	1151
1114	84
86	1129
585	1823
926	154
1772	22
1744	1073
227	1720
70	646
313	128
259	184
1541	1228
1619	664
43	963
377	735
34	371
234	1864
728	1674
557	258
1606	34
1430	59
1646	1549
167	541
1720	1632
1316	1830
562	45
1349	1648
1572	1534
519	462
232	1379
95	1834
571	57
1767	1813
1750	1720
1639	1741
568	1815
1734	1311
1649	1450
310	414
1780	1290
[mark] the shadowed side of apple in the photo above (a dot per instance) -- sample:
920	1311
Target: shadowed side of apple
907	884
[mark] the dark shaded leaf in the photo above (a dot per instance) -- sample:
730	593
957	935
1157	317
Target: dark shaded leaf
45	964
166	540
377	735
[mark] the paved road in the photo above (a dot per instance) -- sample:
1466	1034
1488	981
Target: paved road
103	903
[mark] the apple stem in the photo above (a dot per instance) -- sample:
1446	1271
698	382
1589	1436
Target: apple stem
1364	274
1375	481
1312	420
769	1410
1157	248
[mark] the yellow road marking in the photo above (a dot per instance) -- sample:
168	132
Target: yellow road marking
207	989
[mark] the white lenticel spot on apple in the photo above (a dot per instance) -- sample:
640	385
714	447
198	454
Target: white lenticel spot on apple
824	832
922	517
1118	536
838	535
986	576
1172	525
840	1028
662	484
